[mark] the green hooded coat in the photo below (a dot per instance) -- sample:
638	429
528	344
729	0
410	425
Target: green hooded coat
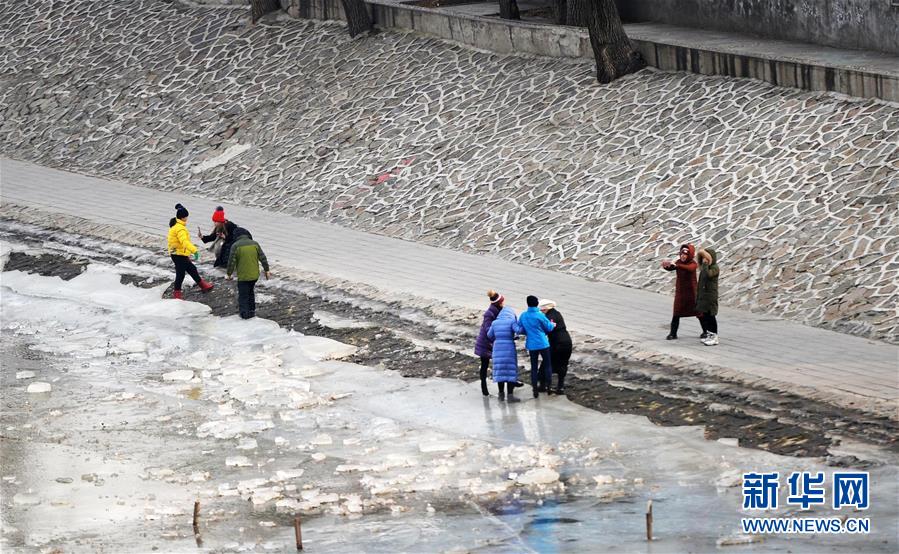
246	255
707	292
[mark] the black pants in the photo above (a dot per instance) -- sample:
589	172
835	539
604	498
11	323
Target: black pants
246	298
485	363
184	265
709	324
560	360
222	259
560	365
541	373
675	323
506	386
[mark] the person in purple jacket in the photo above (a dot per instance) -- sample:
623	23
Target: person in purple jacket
483	347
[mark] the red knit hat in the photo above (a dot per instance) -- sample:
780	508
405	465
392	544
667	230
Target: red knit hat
218	216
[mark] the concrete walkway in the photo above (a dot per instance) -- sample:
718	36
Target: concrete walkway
773	352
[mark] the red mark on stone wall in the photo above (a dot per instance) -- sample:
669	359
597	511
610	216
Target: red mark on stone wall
390	174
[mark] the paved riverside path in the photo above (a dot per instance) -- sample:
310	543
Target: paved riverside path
794	357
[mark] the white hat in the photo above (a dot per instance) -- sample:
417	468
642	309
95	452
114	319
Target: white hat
547	304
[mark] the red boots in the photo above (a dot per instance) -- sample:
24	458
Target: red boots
204	285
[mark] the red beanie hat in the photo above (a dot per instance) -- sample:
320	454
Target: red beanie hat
218	216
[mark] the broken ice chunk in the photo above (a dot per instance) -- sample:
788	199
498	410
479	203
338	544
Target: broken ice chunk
733	540
261	496
538	476
26	499
353	504
316	496
603	479
237	461
441	446
25	375
39	387
248	485
284	475
200	360
178	375
322	439
287	504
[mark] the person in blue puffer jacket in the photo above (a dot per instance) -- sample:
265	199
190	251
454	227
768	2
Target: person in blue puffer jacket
505	358
536	326
483	347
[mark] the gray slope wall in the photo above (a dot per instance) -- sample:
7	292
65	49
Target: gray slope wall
861	24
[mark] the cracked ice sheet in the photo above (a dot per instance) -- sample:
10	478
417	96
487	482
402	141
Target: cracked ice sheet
399	445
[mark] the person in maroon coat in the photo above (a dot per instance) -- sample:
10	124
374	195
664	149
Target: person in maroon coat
684	288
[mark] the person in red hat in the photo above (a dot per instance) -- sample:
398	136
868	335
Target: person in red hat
224	232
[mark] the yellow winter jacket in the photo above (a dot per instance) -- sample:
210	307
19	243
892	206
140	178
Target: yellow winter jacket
179	240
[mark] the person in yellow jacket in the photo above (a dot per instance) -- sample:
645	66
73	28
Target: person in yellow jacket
181	251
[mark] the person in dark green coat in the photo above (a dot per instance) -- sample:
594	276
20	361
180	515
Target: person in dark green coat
707	294
245	257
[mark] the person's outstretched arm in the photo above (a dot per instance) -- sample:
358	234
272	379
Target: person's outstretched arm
232	261
262	259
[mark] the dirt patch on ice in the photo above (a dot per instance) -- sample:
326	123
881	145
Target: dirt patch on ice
48	265
391	337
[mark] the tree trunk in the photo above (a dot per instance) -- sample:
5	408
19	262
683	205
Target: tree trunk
577	13
615	56
357	19
559	15
259	8
305	9
508	9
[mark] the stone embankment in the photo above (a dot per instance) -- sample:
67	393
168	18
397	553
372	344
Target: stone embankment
527	159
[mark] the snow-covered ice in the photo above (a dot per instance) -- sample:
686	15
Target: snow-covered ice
382	462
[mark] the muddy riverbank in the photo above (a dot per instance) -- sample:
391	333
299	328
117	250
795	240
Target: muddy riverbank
418	345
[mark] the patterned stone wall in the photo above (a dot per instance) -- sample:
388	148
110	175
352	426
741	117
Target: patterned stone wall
528	159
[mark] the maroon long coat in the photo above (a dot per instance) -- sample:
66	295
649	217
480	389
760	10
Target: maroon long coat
685	285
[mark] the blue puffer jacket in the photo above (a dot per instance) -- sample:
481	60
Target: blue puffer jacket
535	325
505	358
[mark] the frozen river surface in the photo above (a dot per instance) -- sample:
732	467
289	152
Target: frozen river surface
154	404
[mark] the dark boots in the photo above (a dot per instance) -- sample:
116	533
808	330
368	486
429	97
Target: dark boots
511	395
560	389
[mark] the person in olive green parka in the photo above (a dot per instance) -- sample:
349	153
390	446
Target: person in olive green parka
707	294
245	257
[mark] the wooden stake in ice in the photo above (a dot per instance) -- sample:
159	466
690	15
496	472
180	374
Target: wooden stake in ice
299	533
649	520
197	523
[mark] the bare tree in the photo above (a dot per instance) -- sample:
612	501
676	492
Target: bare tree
577	13
559	11
614	53
357	18
258	8
508	9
